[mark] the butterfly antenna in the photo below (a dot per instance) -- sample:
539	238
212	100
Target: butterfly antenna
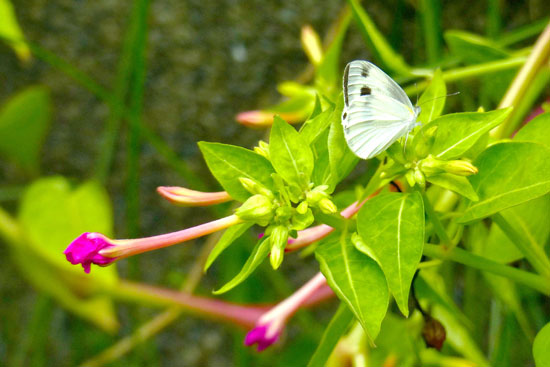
446	95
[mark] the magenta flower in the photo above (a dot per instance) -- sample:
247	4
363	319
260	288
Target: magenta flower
270	325
85	250
263	336
95	248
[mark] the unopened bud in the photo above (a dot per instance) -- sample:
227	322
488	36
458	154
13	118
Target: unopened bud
278	240
257	208
312	44
434	333
262	149
419	178
302	207
461	168
302	221
327	206
283	213
409	176
254	187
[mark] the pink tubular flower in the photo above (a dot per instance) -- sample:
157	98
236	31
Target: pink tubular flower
270	325
188	197
85	250
95	248
258	118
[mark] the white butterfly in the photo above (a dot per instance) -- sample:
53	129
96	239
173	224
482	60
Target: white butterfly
377	111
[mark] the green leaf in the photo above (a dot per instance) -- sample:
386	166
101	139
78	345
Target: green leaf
376	41
541	346
258	255
537	130
509	174
392	226
357	280
432	101
52	214
458	132
472	48
530	220
312	129
336	328
290	155
11	32
24	121
228	162
458	184
341	158
228	237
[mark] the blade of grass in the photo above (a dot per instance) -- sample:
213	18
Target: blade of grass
522	33
139	39
430	17
494	20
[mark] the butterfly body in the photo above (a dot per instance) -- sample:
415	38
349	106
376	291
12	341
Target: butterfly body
377	111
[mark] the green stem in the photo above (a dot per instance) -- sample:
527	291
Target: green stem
533	253
539	56
460	256
471	71
432	215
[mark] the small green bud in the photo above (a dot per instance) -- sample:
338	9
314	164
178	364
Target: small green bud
255	187
257	208
419	178
283	213
314	197
278	240
409	176
302	221
433	166
327	206
302	207
461	168
262	149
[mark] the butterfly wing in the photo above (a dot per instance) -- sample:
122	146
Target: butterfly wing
364	78
377	111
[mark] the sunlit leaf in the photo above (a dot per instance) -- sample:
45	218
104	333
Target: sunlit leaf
228	237
290	155
537	130
509	174
357	280
458	184
258	255
229	162
392	226
458	132
432	101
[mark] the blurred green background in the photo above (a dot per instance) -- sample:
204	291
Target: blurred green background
204	61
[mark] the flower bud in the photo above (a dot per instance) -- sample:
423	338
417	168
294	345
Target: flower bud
461	168
419	178
409	176
283	213
262	149
258	209
302	207
312	44
186	197
255	118
433	166
327	206
278	240
255	187
302	221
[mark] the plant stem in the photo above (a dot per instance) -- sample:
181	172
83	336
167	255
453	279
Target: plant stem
534	253
432	215
523	80
471	71
458	255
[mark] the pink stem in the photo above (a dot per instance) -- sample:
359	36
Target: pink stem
125	248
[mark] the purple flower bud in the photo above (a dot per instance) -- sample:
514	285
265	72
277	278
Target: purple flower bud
260	335
85	250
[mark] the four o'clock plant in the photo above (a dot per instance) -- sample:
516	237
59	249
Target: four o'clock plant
437	197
